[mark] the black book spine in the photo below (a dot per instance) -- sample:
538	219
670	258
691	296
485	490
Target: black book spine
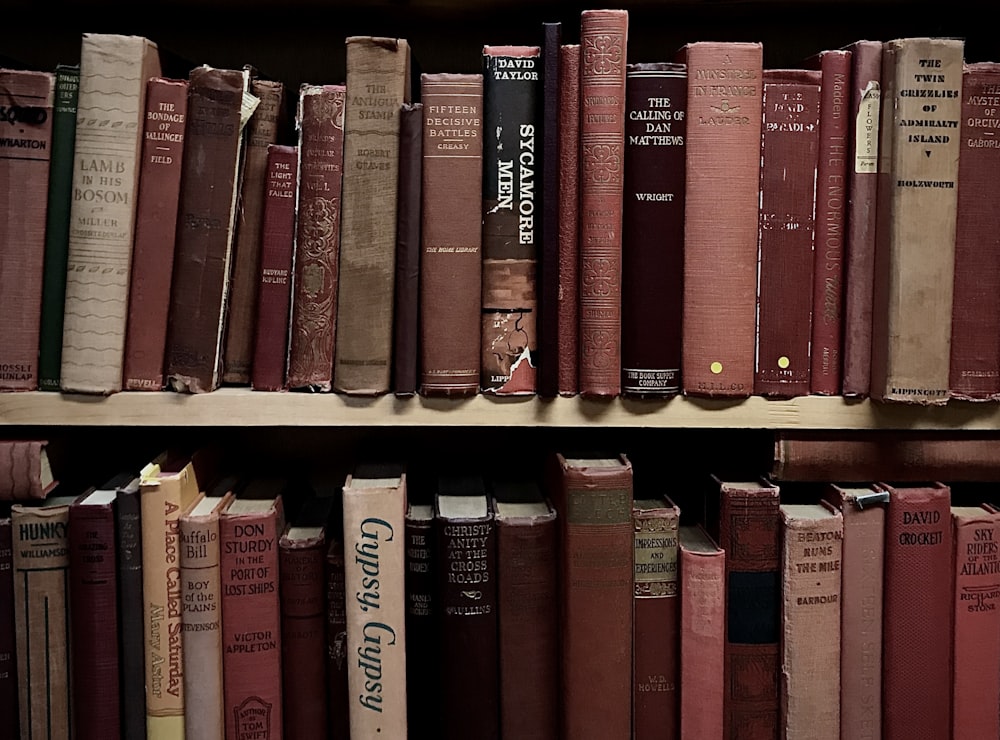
128	532
421	630
8	644
407	328
548	303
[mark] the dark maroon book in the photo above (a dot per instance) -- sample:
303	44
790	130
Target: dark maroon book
8	646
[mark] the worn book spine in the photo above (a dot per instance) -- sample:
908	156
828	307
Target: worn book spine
569	219
720	254
547	324
975	316
378	74
862	165
336	643
918	610
155	231
653	229
451	234
23	470
25	153
206	216
656	639
789	150
57	226
422	614
8	637
603	53
915	253
406	309
128	541
320	122
114	71
512	149
262	130
812	552
277	253
826	354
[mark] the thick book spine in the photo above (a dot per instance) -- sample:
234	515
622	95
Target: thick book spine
826	354
406	309
789	148
603	47
422	615
862	165
57	226
22	470
975	317
451	234
720	253
812	552
277	253
653	229
750	534
915	253
320	122
569	219
114	71
132	651
8	637
155	231
512	152
262	130
336	643
596	543
209	186
918	610
547	323
378	74
656	643
976	652
25	152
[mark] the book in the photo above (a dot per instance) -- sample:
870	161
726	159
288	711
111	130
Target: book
527	616
826	356
57	225
249	529
918	610
974	373
25	470
302	552
603	53
277	255
155	233
336	640
703	633
976	652
512	215
549	108
114	71
406	307
569	221
720	255
42	623
863	512
131	622
863	156
422	615
656	623
320	121
26	98
218	104
374	506
788	160
593	498
262	130
812	551
915	231
378	73
466	540
451	234
201	612
8	637
653	229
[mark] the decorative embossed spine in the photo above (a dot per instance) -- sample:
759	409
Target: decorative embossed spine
406	324
25	153
720	254
155	232
8	638
569	219
451	235
114	71
336	642
548	265
512	152
320	121
378	78
603	47
422	615
917	211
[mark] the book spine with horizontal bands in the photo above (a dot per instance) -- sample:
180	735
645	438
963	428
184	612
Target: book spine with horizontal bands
569	219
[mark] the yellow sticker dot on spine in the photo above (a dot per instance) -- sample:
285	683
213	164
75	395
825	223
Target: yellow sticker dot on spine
783	362
716	367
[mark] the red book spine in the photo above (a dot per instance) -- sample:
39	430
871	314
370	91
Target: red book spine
155	229
317	242
336	643
24	470
277	245
569	218
603	46
8	640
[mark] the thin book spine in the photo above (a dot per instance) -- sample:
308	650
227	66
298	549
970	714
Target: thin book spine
549	263
8	639
406	328
569	219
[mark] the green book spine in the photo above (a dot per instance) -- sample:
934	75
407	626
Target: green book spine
57	226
